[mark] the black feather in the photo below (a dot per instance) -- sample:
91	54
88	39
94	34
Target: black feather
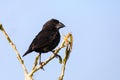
47	39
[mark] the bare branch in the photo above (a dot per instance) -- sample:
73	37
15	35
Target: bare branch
36	61
17	53
67	42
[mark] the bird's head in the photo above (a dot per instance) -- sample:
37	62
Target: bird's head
53	24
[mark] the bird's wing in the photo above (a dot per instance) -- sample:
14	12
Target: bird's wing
43	39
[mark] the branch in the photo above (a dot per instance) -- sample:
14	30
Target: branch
17	53
69	43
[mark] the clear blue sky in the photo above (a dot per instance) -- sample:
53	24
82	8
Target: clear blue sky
95	25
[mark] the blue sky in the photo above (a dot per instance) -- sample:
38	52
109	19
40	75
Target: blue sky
95	25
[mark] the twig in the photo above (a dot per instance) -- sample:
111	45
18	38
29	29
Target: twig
17	53
36	62
69	42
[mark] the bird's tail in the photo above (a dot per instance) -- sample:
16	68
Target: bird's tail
27	52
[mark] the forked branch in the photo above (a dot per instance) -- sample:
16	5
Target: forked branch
67	43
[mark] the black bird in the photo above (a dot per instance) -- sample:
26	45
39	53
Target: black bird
47	39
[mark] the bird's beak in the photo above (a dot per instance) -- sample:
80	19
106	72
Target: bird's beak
60	25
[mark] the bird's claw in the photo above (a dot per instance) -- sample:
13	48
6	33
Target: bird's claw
57	56
41	63
60	58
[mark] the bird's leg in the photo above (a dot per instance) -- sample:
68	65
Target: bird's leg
40	58
57	56
40	61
